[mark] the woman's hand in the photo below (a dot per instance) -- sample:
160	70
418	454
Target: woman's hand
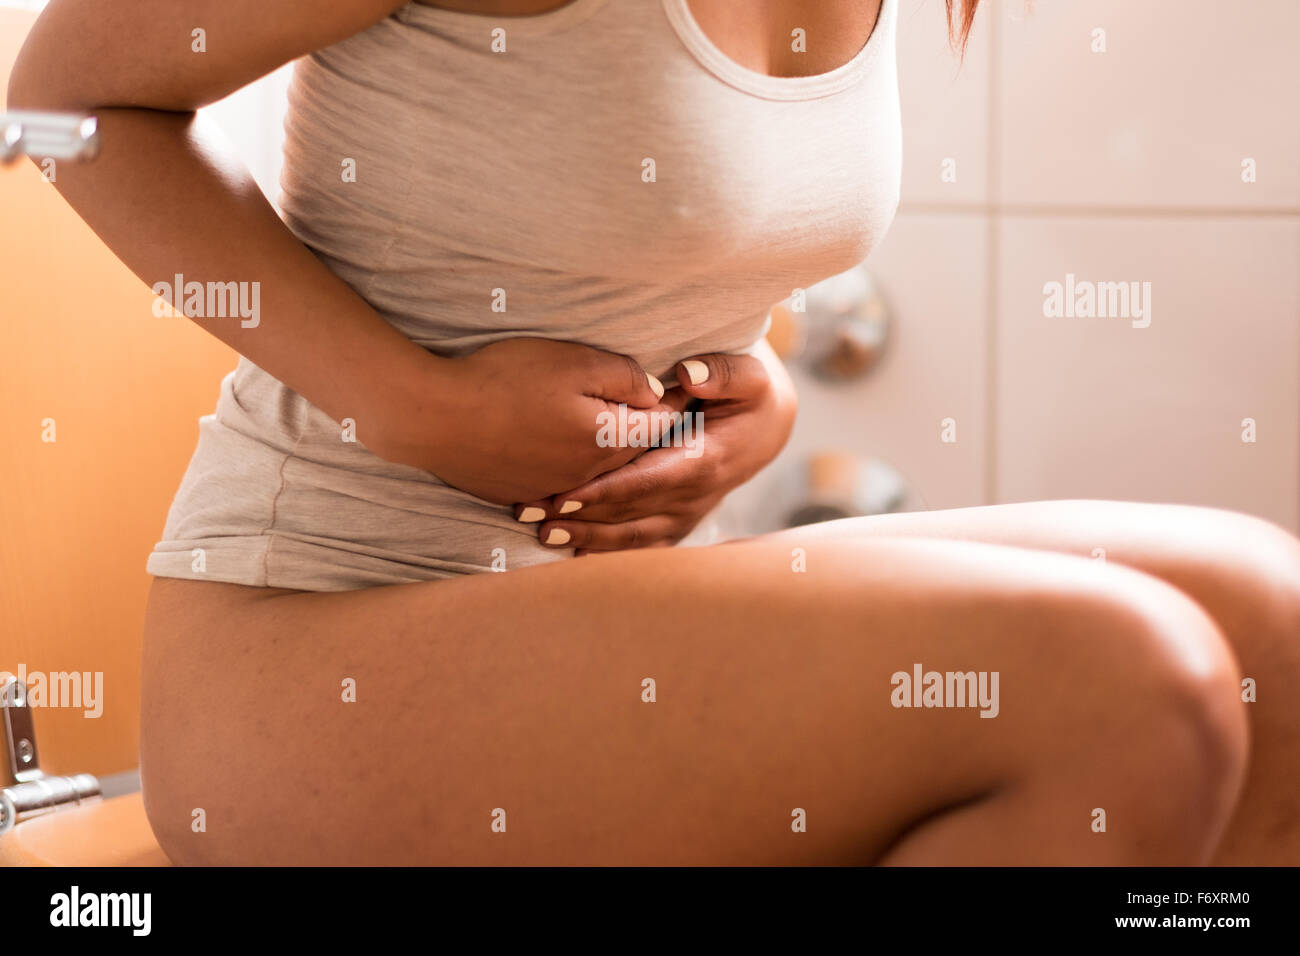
747	406
515	420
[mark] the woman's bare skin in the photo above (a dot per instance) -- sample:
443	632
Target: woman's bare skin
772	658
756	33
523	692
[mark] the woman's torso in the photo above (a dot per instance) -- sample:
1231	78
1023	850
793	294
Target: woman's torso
601	173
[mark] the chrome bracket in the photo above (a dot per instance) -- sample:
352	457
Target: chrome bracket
33	792
43	134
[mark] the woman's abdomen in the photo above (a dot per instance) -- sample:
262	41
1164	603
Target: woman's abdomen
279	495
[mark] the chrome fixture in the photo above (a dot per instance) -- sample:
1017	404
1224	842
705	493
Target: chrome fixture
46	135
837	329
33	792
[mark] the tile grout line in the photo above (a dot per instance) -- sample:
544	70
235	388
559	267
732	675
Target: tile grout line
1059	210
993	264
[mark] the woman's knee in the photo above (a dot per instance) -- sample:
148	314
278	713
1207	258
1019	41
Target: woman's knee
1166	705
1246	571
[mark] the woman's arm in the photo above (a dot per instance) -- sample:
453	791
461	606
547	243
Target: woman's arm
167	195
513	421
746	413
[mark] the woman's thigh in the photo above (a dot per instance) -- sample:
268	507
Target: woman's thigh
1244	571
1225	557
692	706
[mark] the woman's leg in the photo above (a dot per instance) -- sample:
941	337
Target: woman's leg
1244	571
525	692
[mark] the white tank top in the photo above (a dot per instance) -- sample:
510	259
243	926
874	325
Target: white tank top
602	174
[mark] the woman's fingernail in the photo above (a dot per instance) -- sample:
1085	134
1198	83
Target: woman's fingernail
656	386
569	507
558	536
532	514
698	372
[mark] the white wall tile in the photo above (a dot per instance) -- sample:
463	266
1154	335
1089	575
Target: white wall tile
1185	90
945	107
1093	407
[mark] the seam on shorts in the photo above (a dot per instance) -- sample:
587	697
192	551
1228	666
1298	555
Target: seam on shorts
269	530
